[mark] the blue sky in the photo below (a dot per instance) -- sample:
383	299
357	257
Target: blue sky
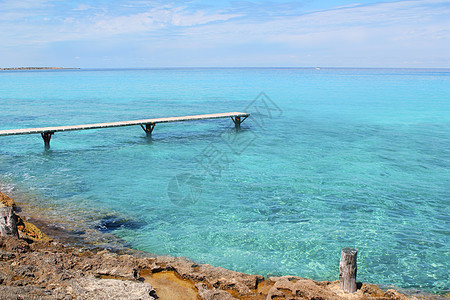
138	33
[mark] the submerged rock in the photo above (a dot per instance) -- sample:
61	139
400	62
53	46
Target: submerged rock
111	223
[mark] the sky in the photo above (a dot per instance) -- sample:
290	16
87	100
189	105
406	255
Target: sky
146	34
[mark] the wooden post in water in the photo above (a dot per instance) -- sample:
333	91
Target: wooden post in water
347	270
8	222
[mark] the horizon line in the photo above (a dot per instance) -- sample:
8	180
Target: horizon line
42	68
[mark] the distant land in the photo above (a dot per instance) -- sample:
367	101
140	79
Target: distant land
36	68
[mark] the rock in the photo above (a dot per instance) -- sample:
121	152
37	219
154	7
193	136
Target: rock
293	287
6	201
110	264
30	293
309	289
371	290
4	277
216	277
26	270
206	294
393	294
94	288
13	245
29	230
4	255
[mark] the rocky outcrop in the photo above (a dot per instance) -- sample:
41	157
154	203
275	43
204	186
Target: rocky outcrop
46	268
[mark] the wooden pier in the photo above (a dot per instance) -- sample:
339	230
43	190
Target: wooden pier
147	125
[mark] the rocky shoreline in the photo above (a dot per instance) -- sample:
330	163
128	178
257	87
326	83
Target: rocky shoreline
37	266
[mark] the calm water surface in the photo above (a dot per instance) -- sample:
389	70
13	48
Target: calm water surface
330	158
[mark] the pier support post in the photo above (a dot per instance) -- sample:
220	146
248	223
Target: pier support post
238	121
148	128
347	270
47	136
8	222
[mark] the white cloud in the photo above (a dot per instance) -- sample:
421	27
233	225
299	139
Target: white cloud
399	33
83	7
200	18
25	28
411	19
157	18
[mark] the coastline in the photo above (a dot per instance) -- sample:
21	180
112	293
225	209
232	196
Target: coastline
83	272
36	68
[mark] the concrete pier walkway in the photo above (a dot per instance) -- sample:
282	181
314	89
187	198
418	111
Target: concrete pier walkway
146	124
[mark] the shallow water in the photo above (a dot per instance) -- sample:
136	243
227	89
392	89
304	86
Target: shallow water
329	158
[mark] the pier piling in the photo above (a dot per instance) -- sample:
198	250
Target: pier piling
238	121
47	136
148	128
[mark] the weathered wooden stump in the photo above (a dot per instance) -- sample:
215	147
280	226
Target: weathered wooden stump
8	222
347	270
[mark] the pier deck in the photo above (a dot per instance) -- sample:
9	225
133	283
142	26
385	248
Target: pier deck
146	124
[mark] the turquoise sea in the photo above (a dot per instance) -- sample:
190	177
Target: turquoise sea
329	158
